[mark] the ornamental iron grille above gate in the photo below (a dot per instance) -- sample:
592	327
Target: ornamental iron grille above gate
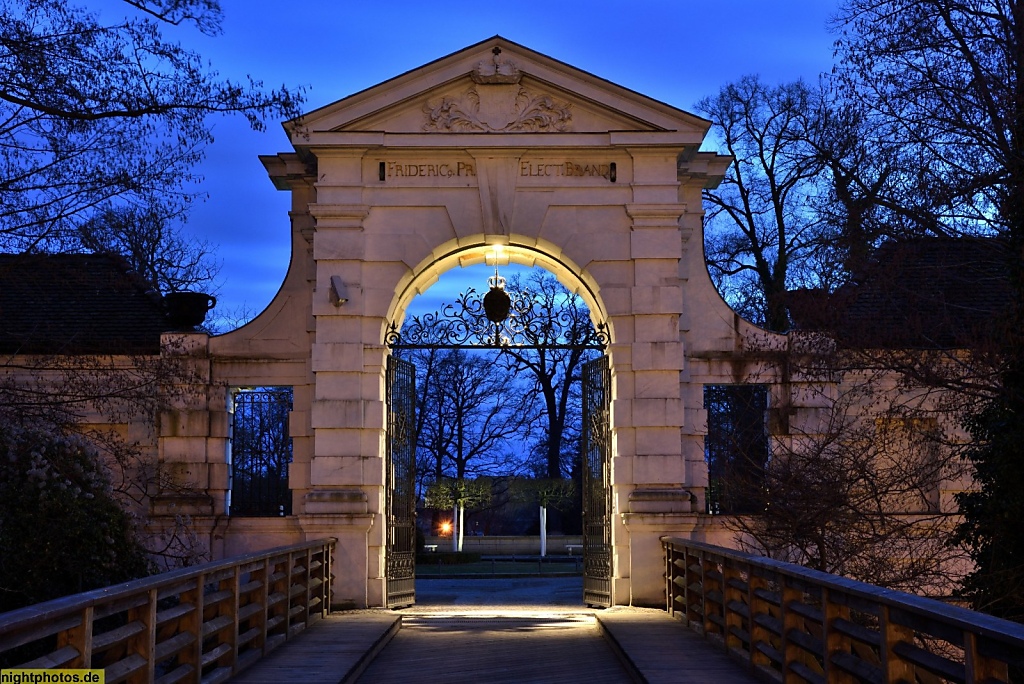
465	324
597	543
400	558
261	450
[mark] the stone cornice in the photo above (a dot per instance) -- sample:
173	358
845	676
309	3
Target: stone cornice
636	140
709	168
287	170
655	215
339	215
660	521
331	521
655	138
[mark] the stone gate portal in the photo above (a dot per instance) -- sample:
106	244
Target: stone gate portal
494	145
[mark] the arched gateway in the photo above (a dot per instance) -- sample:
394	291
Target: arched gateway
507	321
495	145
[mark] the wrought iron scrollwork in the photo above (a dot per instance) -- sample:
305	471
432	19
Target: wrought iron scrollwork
464	323
261	451
597	502
401	484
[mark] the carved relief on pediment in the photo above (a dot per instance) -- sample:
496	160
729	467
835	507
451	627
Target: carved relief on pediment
496	71
498	108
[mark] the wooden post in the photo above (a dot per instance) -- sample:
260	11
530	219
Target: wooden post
705	581
234	603
678	581
835	641
758	634
144	643
669	585
80	638
979	668
308	581
693	578
711	569
328	577
731	594
264	599
894	668
193	622
280	586
790	621
289	571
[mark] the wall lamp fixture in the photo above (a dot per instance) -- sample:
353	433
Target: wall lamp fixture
337	293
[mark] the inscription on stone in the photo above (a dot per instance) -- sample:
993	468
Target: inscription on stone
566	168
527	169
428	170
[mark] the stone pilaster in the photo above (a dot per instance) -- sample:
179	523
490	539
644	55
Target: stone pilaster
346	475
342	513
186	450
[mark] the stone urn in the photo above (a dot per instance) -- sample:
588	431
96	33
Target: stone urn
186	310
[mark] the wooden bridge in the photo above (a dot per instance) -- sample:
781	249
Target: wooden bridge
729	617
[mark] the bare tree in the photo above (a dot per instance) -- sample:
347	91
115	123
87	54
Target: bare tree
102	121
471	419
819	182
947	80
853	487
940	77
556	324
761	228
95	110
153	247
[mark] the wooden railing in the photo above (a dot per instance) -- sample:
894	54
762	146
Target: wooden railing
795	624
202	623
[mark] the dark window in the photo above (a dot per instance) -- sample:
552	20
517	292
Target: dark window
260	451
736	447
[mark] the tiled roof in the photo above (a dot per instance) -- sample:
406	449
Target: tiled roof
76	304
926	293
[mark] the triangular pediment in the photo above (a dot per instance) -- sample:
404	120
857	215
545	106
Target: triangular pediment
498	86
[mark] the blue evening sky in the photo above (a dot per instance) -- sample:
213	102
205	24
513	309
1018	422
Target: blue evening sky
676	51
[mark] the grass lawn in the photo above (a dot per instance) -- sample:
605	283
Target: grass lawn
548	566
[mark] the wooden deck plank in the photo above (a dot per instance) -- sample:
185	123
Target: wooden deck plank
664	651
498	644
334	648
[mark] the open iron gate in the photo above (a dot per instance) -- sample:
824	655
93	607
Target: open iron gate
597	541
400	555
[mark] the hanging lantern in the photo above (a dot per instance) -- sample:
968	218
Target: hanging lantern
497	303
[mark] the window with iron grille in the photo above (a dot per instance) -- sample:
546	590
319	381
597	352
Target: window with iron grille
736	447
259	452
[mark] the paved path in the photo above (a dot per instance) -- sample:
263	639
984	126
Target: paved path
442	594
495	631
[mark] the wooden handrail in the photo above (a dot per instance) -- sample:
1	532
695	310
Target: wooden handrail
796	624
201	623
